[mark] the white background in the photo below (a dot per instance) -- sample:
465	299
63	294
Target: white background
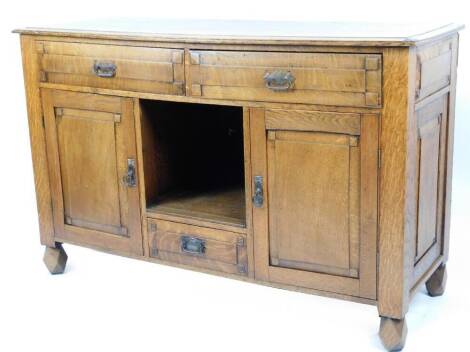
108	303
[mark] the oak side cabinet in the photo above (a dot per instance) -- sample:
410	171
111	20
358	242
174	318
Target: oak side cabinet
306	156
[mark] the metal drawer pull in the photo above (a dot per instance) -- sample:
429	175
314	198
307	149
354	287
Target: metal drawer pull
258	197
104	69
129	179
193	245
279	81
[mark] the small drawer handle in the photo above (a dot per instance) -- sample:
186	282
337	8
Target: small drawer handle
104	69
193	245
279	81
258	197
130	178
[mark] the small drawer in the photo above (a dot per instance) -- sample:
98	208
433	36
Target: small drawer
197	246
308	78
139	69
434	65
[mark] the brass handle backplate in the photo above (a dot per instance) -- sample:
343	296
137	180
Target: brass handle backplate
193	245
258	197
130	178
104	69
279	80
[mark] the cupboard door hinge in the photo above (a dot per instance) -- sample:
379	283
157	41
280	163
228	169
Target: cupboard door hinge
242	268
152	229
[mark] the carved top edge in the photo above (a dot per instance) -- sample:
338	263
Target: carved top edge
252	32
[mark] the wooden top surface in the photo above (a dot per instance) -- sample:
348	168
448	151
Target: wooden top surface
252	32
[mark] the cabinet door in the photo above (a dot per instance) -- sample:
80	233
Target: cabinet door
91	148
317	224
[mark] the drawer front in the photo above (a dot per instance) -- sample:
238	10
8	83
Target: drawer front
433	69
199	247
309	78
138	69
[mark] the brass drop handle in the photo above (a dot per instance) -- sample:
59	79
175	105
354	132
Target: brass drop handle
104	69
279	80
130	178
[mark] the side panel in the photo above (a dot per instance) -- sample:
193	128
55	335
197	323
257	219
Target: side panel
415	179
435	130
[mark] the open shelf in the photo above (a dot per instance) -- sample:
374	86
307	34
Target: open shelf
193	161
225	206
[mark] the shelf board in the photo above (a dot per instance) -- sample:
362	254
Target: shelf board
225	206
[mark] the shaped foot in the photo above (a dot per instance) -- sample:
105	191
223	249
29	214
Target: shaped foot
436	284
55	259
393	333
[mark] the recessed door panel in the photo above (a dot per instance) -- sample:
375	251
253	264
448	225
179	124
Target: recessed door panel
87	153
431	160
314	201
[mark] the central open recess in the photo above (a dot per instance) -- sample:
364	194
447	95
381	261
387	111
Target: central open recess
193	161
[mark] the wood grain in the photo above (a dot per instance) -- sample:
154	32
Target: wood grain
248	192
434	68
38	141
88	149
356	159
137	69
321	78
310	226
431	160
255	32
223	251
450	147
300	120
196	100
305	214
225	207
397	183
369	186
260	214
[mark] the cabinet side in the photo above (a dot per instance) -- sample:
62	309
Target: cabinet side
37	138
397	182
450	145
434	113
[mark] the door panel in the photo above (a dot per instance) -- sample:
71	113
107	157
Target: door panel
318	225
314	201
90	140
432	141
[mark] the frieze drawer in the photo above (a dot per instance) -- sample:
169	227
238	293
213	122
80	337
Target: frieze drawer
138	69
309	78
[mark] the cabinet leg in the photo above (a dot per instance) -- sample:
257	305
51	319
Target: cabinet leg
55	259
436	284
393	333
